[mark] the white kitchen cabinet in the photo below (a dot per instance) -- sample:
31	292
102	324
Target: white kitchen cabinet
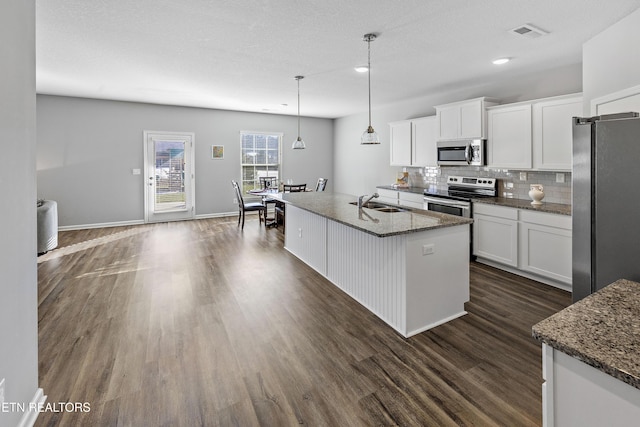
618	102
402	198
553	131
577	394
306	237
400	142
495	233
530	243
544	245
509	144
425	134
413	142
391	197
464	119
411	200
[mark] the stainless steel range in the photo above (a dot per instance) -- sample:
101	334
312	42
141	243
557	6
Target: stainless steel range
456	200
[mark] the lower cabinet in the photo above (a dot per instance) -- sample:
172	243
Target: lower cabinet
495	234
545	245
576	394
530	243
402	198
388	196
412	200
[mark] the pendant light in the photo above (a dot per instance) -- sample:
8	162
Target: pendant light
298	144
369	136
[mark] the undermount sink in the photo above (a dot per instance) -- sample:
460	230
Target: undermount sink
380	207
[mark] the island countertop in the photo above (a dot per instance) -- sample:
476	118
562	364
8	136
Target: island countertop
335	206
602	330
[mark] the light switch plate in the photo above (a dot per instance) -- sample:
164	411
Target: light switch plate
560	177
523	176
135	171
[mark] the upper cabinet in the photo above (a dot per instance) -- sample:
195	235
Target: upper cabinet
534	134
464	119
553	132
509	144
400	141
413	142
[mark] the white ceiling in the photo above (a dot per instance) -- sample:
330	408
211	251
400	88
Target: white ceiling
243	54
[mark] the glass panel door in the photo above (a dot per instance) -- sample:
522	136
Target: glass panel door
169	173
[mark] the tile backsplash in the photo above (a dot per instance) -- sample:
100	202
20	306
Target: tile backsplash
509	182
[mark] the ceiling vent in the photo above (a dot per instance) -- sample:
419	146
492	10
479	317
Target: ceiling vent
528	30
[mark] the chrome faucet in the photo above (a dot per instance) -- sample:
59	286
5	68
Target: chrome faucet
361	203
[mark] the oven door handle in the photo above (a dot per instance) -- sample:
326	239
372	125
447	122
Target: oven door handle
467	153
449	202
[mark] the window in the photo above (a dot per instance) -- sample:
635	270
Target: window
259	156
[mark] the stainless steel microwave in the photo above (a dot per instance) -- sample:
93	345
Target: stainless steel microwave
467	152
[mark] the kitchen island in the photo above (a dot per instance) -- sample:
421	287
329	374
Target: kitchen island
410	268
591	359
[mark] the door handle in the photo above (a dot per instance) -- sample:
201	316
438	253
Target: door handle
467	153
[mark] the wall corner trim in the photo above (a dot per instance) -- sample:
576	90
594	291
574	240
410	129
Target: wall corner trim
31	414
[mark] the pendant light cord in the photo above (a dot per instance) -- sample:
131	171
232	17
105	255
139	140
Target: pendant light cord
298	78
369	73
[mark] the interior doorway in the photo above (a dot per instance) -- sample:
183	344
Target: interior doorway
169	176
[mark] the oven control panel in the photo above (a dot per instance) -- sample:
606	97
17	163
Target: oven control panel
477	182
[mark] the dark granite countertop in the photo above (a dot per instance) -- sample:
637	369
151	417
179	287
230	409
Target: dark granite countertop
555	208
336	207
601	330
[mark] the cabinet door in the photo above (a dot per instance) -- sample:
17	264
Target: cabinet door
471	117
400	141
509	142
495	239
387	196
545	251
425	134
448	122
553	133
412	200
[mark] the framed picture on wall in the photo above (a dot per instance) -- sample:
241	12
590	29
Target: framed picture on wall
217	151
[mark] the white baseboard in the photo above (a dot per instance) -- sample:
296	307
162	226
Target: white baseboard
221	215
100	225
140	222
545	280
31	414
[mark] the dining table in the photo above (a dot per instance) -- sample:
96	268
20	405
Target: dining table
268	195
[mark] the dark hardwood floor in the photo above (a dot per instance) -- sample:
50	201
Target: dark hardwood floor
199	323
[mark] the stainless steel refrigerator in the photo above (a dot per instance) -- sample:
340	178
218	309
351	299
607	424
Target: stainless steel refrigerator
606	201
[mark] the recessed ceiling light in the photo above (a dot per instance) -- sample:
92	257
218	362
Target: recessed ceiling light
501	61
361	68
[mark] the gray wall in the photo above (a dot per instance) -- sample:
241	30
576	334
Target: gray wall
358	169
18	284
611	60
87	149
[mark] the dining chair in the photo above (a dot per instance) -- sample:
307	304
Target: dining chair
294	188
247	207
322	183
268	182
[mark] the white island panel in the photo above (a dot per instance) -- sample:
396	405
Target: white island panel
306	238
411	281
370	269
